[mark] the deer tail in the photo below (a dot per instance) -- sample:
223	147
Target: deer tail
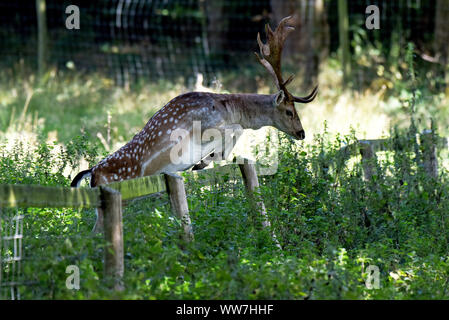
80	176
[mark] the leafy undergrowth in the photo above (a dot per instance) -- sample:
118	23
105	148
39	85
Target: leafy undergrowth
334	227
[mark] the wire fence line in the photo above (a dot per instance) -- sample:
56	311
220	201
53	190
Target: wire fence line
157	39
32	243
11	231
32	247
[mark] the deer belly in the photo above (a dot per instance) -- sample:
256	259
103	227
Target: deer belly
181	157
194	155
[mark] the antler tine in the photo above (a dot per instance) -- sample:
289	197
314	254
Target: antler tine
308	98
271	53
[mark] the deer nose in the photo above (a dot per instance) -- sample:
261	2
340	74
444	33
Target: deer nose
300	134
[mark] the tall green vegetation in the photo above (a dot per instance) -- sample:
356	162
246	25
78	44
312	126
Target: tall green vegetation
331	223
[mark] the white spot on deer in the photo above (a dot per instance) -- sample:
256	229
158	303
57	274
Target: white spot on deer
129	169
160	132
168	131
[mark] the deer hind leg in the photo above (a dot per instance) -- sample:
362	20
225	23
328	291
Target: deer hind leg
99	212
99	224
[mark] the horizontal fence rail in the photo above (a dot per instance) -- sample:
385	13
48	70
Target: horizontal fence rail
380	145
65	197
135	188
48	197
368	149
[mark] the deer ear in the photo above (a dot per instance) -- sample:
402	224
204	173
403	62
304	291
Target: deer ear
279	98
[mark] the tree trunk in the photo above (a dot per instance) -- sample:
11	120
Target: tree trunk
309	44
343	26
442	35
216	27
41	36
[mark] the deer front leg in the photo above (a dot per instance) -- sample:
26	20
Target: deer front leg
203	163
229	136
232	135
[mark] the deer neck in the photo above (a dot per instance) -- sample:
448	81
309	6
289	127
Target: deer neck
251	111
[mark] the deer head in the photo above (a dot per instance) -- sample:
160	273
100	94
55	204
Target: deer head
286	119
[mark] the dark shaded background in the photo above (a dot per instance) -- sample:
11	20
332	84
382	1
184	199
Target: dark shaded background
165	39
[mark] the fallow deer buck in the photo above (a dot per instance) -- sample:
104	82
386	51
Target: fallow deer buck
151	150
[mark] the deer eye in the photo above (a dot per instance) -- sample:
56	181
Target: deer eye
289	113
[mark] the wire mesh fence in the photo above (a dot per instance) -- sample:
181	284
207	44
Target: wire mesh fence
11	231
157	39
38	244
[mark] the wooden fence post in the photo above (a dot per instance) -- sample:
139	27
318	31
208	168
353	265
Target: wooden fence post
251	181
113	234
178	200
429	153
368	158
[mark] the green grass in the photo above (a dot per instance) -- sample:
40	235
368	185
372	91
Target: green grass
62	107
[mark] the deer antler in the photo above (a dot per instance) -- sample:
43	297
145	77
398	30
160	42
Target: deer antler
271	55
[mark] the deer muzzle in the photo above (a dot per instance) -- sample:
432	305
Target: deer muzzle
300	135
